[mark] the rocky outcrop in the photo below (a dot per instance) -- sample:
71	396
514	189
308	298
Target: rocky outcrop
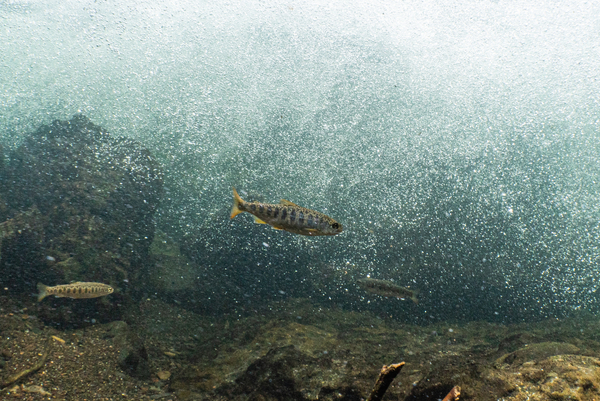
93	196
133	357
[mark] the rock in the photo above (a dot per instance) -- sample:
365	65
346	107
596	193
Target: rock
25	229
480	377
515	342
133	357
163	375
284	373
536	352
89	199
274	376
559	377
446	373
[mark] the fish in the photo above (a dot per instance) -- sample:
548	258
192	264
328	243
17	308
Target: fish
387	289
75	290
287	216
35	389
60	340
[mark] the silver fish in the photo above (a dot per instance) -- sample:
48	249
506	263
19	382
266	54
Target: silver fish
387	289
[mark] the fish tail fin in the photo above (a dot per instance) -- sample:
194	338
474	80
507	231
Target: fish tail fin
237	202
43	291
414	297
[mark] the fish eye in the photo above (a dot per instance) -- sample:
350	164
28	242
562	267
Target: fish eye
335	226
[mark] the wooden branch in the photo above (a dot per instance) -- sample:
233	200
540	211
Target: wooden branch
386	377
18	376
453	394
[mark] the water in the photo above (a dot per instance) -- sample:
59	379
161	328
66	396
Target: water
457	143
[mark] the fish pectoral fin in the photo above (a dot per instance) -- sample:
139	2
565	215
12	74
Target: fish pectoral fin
287	203
277	228
258	221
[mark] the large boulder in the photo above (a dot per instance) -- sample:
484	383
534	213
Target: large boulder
92	197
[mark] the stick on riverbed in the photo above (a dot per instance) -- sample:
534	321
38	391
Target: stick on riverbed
386	377
18	376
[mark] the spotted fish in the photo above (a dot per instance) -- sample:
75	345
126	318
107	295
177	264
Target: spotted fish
287	216
75	290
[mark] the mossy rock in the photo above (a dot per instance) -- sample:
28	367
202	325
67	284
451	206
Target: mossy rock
537	352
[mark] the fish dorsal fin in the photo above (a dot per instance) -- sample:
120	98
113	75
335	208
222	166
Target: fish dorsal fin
287	203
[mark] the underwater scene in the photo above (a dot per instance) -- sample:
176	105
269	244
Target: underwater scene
300	200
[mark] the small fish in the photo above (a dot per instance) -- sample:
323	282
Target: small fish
75	290
35	389
387	289
287	216
60	340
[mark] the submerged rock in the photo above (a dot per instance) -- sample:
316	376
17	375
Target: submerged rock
284	373
278	375
538	351
96	195
133	357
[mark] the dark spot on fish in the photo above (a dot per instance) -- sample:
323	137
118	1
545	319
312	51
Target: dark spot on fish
87	290
309	220
283	213
316	221
276	212
253	207
292	215
60	290
300	217
335	226
269	210
261	208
